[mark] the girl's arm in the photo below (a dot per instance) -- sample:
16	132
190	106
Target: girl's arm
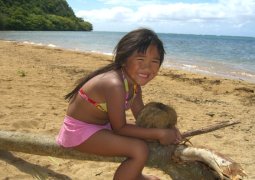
115	98
137	104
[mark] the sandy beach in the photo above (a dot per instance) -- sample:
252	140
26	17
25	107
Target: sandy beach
34	80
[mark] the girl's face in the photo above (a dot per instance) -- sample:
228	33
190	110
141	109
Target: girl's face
142	68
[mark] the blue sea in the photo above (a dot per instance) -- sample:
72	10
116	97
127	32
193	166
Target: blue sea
227	56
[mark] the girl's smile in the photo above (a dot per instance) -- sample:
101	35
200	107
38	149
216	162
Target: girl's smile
143	67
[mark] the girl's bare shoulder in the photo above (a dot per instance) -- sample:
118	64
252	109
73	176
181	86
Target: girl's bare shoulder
111	79
111	84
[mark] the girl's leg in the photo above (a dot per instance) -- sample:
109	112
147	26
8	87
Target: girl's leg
107	143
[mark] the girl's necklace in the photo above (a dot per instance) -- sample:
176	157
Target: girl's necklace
127	89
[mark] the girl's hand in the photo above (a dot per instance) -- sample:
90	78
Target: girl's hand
170	136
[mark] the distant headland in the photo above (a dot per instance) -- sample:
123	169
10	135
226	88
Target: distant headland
43	15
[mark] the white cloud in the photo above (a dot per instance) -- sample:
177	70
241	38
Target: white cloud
110	14
129	2
236	10
234	17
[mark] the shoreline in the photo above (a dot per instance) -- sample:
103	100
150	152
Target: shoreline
34	80
206	67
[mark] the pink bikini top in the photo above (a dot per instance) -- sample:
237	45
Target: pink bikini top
102	106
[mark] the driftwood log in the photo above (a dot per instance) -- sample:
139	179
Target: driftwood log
159	115
160	156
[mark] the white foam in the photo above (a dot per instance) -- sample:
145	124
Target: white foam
30	42
109	54
189	66
244	74
25	42
39	44
99	52
52	45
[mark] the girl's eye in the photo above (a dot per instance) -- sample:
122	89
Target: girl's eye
156	61
140	59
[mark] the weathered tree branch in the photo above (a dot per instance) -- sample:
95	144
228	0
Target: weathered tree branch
209	128
160	156
45	145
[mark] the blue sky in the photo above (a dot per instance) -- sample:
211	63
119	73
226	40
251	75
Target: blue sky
208	17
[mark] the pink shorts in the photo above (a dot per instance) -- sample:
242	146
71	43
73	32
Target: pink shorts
74	132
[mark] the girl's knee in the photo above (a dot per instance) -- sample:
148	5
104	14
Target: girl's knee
140	149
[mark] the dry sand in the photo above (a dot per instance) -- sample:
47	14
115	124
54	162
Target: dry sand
34	80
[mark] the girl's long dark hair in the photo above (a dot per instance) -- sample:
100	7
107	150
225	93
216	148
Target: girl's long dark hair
138	40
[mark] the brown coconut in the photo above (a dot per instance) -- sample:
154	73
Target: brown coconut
157	115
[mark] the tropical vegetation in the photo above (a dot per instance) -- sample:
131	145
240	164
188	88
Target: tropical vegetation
49	15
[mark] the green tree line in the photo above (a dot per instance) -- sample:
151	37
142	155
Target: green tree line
44	15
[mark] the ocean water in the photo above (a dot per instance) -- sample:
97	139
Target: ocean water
227	56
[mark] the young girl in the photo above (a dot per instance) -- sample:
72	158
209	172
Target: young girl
95	121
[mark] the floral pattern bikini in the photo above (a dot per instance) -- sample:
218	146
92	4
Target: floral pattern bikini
102	106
